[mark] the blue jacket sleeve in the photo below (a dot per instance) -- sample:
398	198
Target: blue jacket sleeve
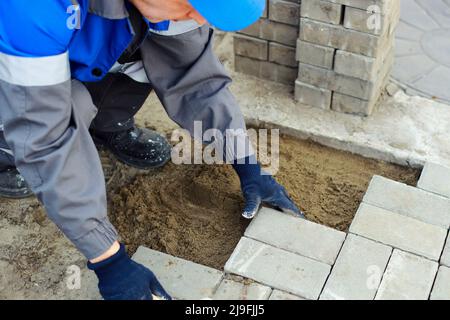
36	28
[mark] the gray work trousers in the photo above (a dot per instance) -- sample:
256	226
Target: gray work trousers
47	128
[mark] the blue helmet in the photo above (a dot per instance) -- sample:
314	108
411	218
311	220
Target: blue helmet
230	15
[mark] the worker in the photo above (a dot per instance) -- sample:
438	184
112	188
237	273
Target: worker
73	73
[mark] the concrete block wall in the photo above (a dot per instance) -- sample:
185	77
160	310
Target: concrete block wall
267	49
345	53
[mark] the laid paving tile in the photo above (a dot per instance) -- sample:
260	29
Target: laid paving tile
358	270
89	286
296	235
407	277
281	295
445	258
399	231
441	288
413	202
435	178
277	268
183	280
234	290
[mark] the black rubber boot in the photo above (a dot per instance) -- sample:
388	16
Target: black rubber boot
137	147
13	185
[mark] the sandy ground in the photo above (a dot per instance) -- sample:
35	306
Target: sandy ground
192	211
188	211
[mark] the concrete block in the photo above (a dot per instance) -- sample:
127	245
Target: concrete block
413	202
339	37
278	268
183	280
249	66
330	80
372	21
435	178
321	10
251	47
273	31
266	70
407	277
383	5
347	104
356	65
399	231
445	258
89	285
233	290
279	73
315	55
363	107
281	295
282	54
312	96
358	270
441	288
284	11
296	235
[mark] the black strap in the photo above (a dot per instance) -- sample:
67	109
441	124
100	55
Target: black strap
140	28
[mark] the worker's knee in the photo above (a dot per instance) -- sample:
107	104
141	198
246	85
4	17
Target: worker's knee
84	110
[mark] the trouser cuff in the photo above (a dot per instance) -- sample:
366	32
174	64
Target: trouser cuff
97	241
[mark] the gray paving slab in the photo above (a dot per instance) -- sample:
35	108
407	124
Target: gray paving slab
427	24
410	201
445	258
183	280
438	10
281	295
414	14
407	47
399	231
234	290
441	288
296	235
277	268
407	277
435	82
358	270
405	31
435	178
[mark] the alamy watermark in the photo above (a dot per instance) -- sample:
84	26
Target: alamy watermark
74	19
213	146
374	20
73	277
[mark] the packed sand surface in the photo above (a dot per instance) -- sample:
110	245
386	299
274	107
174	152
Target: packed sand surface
192	211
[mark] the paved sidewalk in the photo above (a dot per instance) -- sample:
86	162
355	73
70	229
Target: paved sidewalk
397	248
423	48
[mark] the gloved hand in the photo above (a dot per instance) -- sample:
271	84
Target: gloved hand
258	188
120	278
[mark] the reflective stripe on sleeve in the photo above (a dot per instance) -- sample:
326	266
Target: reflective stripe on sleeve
178	27
34	71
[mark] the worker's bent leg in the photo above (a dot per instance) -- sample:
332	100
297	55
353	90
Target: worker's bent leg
6	156
118	97
191	82
46	128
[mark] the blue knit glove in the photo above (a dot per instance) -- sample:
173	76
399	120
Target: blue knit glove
258	189
120	278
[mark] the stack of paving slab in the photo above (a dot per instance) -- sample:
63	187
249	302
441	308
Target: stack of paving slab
267	48
345	53
397	248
